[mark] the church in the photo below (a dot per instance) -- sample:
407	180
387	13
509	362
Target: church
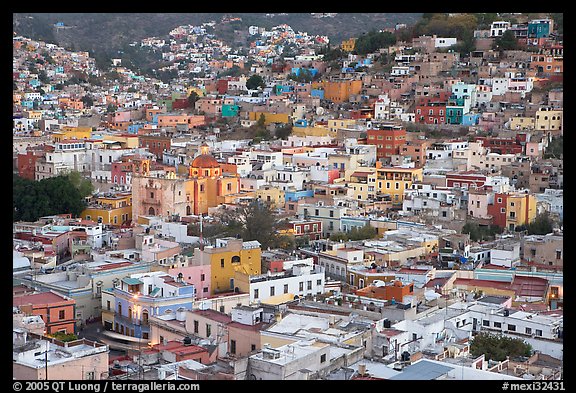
168	195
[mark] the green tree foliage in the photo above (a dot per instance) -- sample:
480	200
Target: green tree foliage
507	41
541	225
333	54
499	347
88	101
254	82
55	195
254	221
372	41
192	98
64	337
479	232
283	132
555	148
443	25
82	184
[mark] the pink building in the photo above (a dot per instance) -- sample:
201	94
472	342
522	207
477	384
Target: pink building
199	276
478	201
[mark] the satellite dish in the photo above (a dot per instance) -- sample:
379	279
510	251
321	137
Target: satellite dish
319	111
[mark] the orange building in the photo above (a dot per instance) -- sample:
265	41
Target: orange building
340	90
395	290
204	186
57	311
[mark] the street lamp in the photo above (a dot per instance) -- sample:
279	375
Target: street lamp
135	297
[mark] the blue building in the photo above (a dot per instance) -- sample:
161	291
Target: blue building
138	297
539	28
347	223
470	119
297	194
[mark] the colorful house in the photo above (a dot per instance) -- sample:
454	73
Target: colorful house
57	311
225	258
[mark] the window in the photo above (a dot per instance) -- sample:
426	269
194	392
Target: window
319	282
222	262
61	314
208	330
301	286
202	277
309	285
497	325
222	309
512	328
285	288
539	332
196	327
272	291
233	346
528	330
322	358
485	323
558	254
256	293
252	347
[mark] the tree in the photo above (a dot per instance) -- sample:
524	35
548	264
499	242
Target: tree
82	184
254	221
55	195
284	131
254	82
507	41
541	225
192	98
88	101
498	347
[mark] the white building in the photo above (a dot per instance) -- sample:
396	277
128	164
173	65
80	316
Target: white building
498	28
296	361
301	279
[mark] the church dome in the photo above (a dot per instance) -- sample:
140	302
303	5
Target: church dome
205	161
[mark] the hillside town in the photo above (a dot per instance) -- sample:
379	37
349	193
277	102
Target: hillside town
273	211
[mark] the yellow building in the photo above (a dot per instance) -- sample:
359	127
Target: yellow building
205	186
362	183
394	180
72	133
312	131
113	209
274	195
125	141
520	210
348	45
270	117
522	123
340	90
335	124
548	119
228	256
33	115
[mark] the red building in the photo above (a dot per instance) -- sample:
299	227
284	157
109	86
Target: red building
465	179
432	110
503	145
498	210
156	144
389	140
27	163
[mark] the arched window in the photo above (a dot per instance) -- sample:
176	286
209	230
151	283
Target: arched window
235	259
151	211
